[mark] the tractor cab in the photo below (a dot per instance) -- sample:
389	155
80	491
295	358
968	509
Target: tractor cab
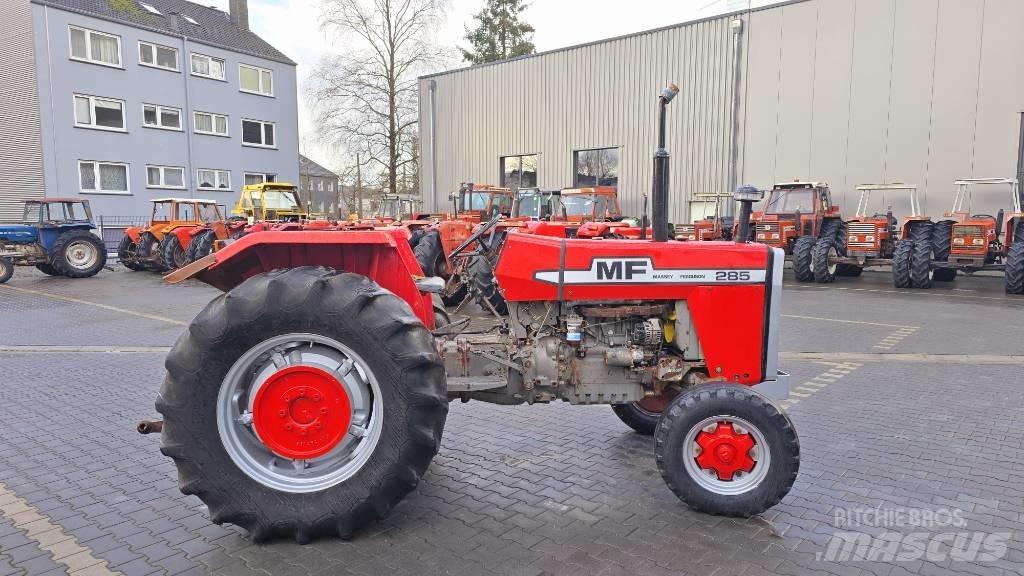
396	207
45	219
173	213
538	204
594	204
981	237
478	202
712	226
270	202
810	203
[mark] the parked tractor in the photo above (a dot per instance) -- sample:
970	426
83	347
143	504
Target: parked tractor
55	235
270	202
164	243
398	207
593	204
712	226
311	397
967	242
868	239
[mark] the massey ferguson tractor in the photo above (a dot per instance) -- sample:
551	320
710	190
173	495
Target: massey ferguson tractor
310	398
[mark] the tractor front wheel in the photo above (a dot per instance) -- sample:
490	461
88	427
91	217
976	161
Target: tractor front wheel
483	285
430	255
901	263
78	254
726	450
822	260
803	254
150	253
1015	267
128	254
6	269
173	254
303	403
201	245
921	272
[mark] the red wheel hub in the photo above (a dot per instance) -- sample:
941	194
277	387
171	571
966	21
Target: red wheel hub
725	451
301	412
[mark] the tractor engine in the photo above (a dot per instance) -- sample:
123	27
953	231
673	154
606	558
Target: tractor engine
602	353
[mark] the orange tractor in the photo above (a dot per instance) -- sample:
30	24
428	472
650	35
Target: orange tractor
966	242
712	226
866	240
164	243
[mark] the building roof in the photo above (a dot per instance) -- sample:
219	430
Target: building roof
213	27
309	168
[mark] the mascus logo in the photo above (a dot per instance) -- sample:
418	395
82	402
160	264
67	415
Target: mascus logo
642	271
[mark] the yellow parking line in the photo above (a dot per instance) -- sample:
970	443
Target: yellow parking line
97	305
50	537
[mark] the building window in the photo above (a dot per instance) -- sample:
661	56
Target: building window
99	113
95	47
165	177
158	56
210	179
165	117
519	171
597	167
207	123
207	66
258	133
103	177
259	178
255	80
330	186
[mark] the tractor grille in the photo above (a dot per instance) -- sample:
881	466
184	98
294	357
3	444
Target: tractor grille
862	229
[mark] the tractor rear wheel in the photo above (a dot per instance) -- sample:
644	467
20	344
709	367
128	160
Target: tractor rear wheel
921	272
1015	266
803	254
483	285
901	263
173	253
724	449
201	245
78	254
305	402
6	269
824	251
643	416
128	254
150	253
47	268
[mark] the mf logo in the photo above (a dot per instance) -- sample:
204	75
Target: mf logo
620	269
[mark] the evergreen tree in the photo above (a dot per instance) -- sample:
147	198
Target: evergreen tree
499	33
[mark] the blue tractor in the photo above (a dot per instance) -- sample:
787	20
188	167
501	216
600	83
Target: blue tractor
55	236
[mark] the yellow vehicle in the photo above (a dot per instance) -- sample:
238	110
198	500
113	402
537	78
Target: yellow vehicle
270	201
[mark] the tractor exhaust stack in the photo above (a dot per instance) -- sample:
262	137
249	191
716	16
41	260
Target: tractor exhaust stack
746	195
659	211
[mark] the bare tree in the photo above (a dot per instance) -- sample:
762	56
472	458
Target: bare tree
365	98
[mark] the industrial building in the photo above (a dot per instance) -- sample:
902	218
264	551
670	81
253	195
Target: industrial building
123	102
841	91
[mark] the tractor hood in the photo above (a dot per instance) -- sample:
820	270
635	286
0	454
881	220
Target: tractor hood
18	234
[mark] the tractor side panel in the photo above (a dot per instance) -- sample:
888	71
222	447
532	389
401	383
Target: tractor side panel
725	284
382	256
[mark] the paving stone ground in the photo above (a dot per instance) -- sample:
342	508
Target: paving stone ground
534	490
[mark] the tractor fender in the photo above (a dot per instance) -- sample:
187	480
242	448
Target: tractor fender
383	256
134	232
184	234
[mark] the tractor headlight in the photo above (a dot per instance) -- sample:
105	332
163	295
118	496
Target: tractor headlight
979	241
869	238
853	238
692	237
775	236
958	241
760	236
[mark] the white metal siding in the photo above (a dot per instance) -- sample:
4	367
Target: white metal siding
844	91
21	153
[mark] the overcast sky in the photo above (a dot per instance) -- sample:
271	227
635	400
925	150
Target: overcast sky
292	26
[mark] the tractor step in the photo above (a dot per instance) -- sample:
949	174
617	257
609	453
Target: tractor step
475	383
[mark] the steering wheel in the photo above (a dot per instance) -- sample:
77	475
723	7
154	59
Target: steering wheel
476	235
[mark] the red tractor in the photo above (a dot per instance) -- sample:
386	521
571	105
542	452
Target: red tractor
966	242
794	210
712	226
868	239
311	397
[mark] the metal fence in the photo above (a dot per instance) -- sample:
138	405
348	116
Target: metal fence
111	228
